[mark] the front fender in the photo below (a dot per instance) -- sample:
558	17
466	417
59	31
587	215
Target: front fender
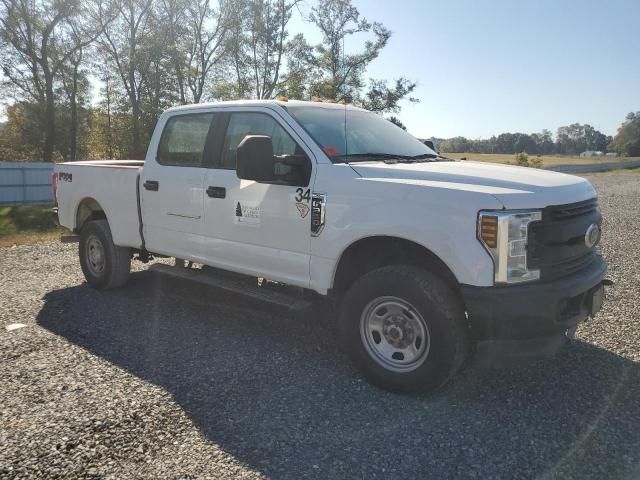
441	220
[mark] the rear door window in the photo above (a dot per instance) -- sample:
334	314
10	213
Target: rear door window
184	140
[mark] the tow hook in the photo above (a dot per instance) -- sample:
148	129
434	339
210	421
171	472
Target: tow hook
570	334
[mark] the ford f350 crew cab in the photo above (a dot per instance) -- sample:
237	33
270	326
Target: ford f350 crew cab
425	258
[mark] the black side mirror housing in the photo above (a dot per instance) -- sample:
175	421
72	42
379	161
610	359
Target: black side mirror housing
255	161
430	144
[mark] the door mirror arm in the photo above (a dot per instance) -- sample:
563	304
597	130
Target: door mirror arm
300	172
293	160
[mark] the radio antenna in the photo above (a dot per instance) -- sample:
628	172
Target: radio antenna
344	96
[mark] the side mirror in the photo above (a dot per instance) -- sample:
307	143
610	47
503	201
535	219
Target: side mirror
430	144
255	161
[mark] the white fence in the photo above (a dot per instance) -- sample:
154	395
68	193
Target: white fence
25	183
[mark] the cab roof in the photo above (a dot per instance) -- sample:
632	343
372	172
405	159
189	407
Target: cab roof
262	103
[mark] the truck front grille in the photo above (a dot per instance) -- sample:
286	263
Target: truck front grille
556	243
571	265
573	210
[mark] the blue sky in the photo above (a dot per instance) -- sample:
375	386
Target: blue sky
487	67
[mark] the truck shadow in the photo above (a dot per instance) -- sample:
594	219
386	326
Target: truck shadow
277	393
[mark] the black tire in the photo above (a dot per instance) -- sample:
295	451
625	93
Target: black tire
116	263
447	336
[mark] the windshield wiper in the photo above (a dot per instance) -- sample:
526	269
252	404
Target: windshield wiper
389	157
425	156
363	157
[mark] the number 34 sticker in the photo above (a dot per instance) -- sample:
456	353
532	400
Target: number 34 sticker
303	196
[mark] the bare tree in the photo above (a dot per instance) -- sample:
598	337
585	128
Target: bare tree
258	45
121	41
206	33
107	102
71	85
197	31
157	90
238	58
37	47
173	14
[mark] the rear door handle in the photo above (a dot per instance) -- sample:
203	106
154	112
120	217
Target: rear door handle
152	185
217	192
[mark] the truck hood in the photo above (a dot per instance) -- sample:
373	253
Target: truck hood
514	187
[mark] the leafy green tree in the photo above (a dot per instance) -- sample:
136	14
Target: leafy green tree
522	159
455	144
544	142
514	142
396	121
257	45
37	40
20	138
336	74
627	140
594	139
299	74
576	138
382	98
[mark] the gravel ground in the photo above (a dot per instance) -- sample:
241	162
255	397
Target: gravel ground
157	381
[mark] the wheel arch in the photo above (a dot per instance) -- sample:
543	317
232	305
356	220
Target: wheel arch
368	253
88	209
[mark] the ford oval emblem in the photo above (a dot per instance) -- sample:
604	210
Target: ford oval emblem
592	237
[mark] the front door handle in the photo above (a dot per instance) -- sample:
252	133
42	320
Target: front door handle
152	185
217	192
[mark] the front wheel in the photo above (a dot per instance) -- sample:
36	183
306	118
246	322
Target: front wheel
404	328
104	264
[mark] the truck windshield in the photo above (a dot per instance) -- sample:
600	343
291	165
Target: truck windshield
368	137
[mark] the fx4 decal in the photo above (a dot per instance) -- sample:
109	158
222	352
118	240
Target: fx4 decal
302	195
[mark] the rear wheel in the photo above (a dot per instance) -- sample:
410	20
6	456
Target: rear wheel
104	264
404	328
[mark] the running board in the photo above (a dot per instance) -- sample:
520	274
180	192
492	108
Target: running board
284	298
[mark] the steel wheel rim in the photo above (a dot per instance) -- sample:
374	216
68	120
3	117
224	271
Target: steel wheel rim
394	334
94	254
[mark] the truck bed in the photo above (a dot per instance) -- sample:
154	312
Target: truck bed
110	183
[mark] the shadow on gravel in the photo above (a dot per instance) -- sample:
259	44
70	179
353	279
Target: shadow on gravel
278	395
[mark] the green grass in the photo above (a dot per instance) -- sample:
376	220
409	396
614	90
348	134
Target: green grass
547	160
26	224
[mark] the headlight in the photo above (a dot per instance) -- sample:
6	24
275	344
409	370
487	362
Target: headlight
505	235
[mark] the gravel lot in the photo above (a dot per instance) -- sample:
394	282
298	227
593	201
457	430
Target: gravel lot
157	381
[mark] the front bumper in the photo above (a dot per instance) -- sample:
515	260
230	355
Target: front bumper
529	320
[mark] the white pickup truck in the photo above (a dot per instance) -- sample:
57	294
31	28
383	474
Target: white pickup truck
424	258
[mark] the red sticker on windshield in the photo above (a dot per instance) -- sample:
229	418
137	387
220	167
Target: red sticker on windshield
331	150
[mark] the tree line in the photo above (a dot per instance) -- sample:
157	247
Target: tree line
148	55
569	140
